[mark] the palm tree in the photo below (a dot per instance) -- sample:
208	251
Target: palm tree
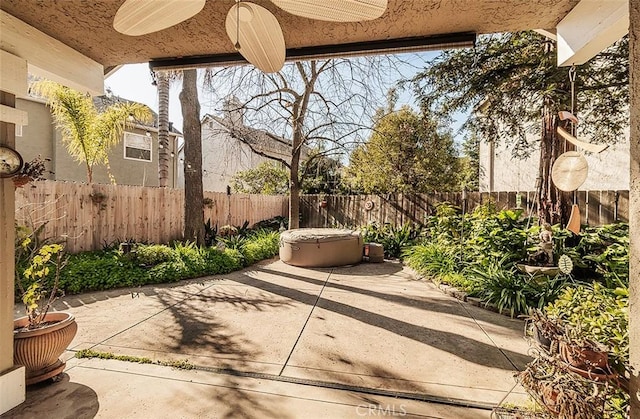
88	133
162	80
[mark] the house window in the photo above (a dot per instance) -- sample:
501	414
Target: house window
137	147
18	130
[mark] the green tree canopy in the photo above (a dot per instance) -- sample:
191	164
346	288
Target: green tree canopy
512	86
268	178
321	174
88	133
408	153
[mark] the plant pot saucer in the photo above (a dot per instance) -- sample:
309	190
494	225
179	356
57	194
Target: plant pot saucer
46	373
538	270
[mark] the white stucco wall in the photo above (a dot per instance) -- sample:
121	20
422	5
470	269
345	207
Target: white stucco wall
223	156
608	170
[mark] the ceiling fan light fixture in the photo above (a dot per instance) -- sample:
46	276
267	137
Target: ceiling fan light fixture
334	10
260	38
140	17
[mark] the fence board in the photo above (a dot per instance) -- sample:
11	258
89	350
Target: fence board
596	207
88	216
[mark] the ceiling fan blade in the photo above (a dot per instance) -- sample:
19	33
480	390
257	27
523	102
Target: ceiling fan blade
334	10
140	17
259	38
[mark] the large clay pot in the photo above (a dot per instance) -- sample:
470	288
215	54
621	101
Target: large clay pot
39	349
589	363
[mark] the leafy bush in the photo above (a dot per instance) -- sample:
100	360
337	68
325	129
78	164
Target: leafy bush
597	313
501	284
273	224
152	264
154	254
260	245
217	262
432	259
393	239
100	270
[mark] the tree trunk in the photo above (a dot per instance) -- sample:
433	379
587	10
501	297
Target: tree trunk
294	189
163	128
554	205
193	195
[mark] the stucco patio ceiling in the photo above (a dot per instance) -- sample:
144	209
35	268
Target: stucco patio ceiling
86	25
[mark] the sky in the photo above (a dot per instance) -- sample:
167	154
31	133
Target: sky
133	82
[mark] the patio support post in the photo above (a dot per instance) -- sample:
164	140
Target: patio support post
634	206
12	384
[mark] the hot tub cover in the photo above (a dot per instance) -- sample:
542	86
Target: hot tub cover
321	247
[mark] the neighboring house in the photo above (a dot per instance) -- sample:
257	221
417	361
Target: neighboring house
228	147
133	161
500	171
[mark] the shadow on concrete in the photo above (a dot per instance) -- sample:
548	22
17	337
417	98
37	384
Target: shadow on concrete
198	328
423	303
61	399
459	345
363	269
87	298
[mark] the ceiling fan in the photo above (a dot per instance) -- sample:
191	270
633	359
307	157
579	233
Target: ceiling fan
254	30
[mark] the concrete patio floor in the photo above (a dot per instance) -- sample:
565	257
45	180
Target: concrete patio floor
279	341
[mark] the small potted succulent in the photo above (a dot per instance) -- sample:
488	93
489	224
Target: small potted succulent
41	336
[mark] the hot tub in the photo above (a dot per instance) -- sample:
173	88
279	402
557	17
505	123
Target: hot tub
321	247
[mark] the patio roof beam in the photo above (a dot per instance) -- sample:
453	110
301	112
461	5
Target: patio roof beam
589	28
47	57
387	46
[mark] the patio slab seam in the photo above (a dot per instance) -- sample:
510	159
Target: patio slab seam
305	324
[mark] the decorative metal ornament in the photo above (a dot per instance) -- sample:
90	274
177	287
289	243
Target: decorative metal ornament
565	264
369	205
569	171
10	162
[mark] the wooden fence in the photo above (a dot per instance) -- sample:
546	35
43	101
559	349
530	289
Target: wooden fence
90	216
596	207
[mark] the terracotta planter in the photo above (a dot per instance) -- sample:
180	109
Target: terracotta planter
549	398
584	358
39	349
588	363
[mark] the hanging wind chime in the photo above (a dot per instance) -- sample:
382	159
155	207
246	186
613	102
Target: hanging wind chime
570	169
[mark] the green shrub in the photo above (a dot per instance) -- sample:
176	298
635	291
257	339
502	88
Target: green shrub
170	271
431	259
193	257
100	270
500	283
154	254
260	245
597	313
222	262
393	239
152	264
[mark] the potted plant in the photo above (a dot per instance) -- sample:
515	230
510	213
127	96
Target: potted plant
40	337
545	331
32	170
